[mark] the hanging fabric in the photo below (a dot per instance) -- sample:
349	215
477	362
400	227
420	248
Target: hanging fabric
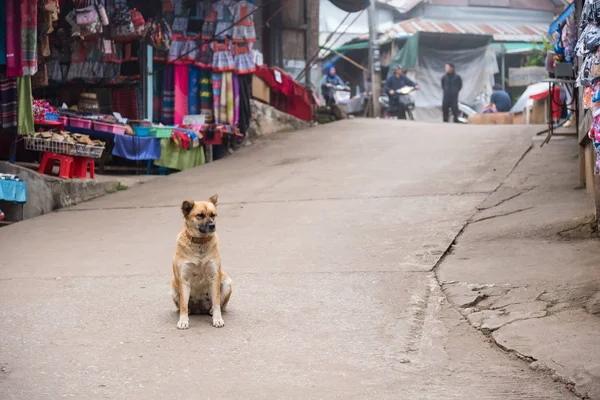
8	101
28	35
194	90
13	38
245	84
230	103
206	106
236	99
181	92
216	85
168	95
25	124
157	92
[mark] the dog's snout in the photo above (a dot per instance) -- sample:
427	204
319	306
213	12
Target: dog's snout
211	226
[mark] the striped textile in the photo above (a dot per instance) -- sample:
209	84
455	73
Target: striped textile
206	105
216	84
8	102
168	116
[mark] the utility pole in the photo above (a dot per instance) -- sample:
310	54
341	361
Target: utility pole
374	60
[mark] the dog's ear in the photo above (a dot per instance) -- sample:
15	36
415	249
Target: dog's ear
186	207
214	199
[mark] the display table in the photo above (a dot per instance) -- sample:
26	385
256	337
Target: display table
553	106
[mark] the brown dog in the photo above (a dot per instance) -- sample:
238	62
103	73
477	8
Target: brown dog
199	286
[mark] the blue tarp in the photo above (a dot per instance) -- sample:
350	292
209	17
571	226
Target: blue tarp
554	26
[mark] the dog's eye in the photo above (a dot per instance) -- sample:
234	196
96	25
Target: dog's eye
212	215
202	215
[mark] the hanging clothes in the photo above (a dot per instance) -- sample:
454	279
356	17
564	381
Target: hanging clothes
2	33
182	82
8	102
28	35
243	16
168	114
216	85
157	92
25	124
243	59
228	77
222	57
225	19
13	38
204	57
209	25
245	112
223	105
206	106
236	99
194	90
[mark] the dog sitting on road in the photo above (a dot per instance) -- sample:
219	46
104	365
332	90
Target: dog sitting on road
199	285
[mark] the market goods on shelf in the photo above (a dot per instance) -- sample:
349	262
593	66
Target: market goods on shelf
64	142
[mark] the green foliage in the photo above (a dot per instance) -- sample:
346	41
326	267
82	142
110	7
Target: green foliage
537	57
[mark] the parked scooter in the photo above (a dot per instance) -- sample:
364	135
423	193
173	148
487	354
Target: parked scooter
404	97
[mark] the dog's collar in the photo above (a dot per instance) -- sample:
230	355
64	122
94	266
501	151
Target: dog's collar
198	240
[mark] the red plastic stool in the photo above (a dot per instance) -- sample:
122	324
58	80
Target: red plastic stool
81	167
66	164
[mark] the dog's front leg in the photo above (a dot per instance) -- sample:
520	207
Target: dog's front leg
215	298
184	298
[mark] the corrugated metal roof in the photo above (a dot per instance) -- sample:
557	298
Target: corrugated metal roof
500	31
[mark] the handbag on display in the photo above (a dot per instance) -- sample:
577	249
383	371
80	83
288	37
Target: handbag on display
160	35
139	25
123	23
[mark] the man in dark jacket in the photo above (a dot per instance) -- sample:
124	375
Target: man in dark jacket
393	83
451	86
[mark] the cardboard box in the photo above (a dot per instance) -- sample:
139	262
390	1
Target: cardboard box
260	90
491	119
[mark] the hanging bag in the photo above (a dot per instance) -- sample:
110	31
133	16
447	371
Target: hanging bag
139	25
160	35
123	23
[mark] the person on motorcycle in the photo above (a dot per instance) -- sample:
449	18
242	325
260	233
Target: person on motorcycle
392	84
328	82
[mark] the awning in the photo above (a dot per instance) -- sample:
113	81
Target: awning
500	31
353	46
516	48
554	26
351	5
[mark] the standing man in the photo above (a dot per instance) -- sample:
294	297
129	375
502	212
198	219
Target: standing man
393	83
451	86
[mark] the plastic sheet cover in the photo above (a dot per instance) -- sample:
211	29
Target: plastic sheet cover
476	67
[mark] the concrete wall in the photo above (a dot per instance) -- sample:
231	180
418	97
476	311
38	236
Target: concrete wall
47	193
266	120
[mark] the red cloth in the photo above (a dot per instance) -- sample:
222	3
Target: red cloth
556	102
289	96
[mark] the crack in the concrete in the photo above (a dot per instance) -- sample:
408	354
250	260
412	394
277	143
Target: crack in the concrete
500	215
507	199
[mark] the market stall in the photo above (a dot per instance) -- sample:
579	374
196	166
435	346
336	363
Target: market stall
84	71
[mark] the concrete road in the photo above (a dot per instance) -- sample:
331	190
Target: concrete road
331	236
